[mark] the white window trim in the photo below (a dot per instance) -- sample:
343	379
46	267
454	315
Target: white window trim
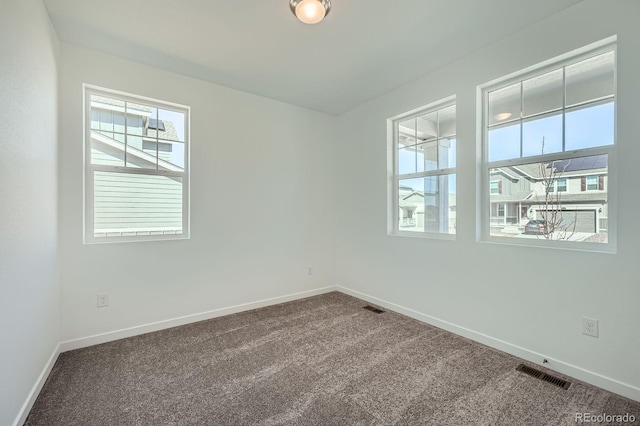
483	215
88	211
393	218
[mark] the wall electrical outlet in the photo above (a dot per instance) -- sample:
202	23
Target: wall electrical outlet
590	326
103	300
309	270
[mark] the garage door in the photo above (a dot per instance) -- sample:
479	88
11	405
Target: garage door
585	220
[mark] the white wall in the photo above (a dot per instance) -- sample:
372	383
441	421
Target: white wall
261	205
28	134
526	300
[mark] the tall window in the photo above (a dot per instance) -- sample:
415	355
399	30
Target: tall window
136	168
548	139
424	171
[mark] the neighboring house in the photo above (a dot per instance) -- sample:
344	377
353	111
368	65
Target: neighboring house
419	211
133	204
578	190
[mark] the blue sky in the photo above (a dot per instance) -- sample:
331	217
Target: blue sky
584	128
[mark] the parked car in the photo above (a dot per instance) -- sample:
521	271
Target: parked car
535	227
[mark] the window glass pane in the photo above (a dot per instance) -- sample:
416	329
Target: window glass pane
105	119
137	116
407	160
169	126
504	104
590	79
135	125
590	127
141	154
439	204
534	131
95	119
504	142
128	204
106	151
104	111
447	153
428	204
171	155
118	122
447	122
543	93
411	205
576	210
450	215
407	131
427	126
428	156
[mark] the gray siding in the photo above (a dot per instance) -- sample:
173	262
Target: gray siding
136	203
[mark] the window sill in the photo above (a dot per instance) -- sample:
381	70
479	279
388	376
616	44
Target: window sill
609	248
424	235
133	239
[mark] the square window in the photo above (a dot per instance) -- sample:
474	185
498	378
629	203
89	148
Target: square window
495	187
136	168
561	185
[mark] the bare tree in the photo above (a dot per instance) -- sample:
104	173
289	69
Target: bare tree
557	225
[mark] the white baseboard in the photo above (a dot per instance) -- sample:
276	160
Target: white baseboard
37	387
579	373
110	336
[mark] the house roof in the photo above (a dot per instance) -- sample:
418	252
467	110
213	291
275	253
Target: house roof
517	196
528	198
596	164
109	145
169	132
581	197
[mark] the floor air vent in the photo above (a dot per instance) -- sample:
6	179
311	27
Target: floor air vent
544	376
372	309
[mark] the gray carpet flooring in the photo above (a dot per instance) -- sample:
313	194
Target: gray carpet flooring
317	361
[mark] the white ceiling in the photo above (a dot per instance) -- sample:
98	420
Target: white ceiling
363	49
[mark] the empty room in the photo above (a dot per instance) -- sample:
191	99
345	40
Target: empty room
324	212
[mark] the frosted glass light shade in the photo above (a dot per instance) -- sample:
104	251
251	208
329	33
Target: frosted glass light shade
310	11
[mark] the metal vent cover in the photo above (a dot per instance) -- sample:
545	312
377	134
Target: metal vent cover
372	309
556	381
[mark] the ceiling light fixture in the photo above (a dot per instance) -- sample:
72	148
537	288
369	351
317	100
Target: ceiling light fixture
502	116
310	11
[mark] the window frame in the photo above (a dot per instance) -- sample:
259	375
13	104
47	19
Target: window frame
393	211
484	165
498	189
596	178
89	169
